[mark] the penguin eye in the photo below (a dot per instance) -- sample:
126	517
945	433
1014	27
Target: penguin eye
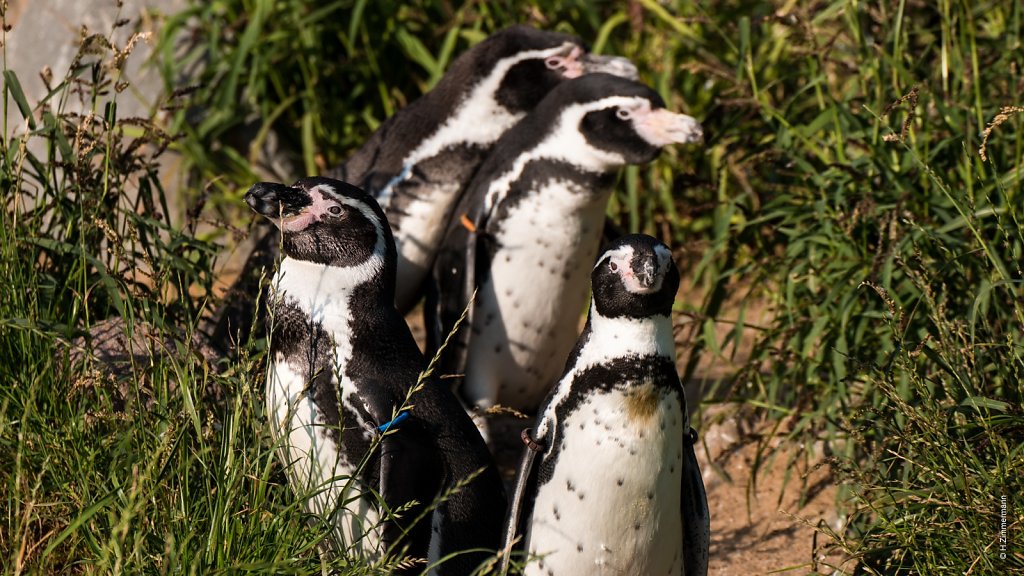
613	266
553	63
623	114
334	210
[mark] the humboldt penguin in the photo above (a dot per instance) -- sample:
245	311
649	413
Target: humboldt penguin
356	422
609	483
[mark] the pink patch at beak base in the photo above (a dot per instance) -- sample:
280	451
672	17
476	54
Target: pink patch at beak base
309	215
569	65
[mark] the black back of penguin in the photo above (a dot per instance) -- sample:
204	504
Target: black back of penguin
340	240
383	154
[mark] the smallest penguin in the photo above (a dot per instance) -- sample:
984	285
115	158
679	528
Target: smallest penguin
609	482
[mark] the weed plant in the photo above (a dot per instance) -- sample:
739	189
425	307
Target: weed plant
862	180
161	465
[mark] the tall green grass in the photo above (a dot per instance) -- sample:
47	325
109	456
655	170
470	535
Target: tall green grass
167	467
841	188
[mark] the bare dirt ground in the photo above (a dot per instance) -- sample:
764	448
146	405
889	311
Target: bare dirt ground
764	527
763	524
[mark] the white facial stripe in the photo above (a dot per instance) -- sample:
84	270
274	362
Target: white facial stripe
664	257
478	119
380	247
661	127
325	196
565	143
370	215
621	254
638	109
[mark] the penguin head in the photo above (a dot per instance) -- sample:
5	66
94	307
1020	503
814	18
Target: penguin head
528	63
601	122
327	222
629	119
635	277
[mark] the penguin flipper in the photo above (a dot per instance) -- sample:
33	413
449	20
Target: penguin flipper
696	517
521	505
468	521
461	264
447	299
408	484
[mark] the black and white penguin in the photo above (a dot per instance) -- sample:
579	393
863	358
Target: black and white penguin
528	230
422	157
344	394
609	482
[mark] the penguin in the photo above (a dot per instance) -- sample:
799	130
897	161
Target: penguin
609	482
528	230
345	396
422	157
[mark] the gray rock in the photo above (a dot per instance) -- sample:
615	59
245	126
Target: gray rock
47	33
120	359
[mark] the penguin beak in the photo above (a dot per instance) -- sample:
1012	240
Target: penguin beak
614	65
646	275
277	200
661	128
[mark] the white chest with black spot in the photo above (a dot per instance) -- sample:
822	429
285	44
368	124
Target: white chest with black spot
527	313
612	505
316	464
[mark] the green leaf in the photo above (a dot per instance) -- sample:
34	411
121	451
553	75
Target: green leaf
978	402
63	146
414	49
14	89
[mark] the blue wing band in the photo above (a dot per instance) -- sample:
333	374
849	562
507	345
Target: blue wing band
394	423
